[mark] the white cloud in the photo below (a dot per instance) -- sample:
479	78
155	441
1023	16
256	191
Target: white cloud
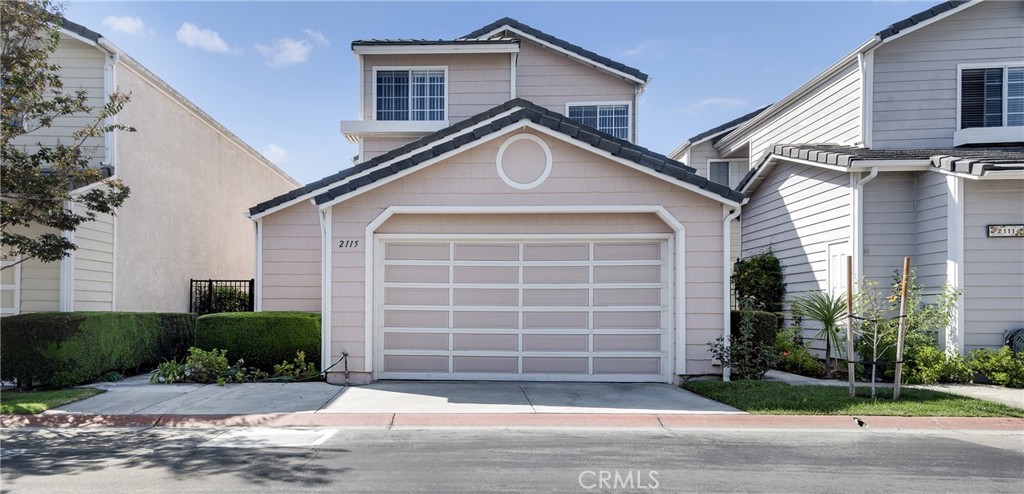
317	37
642	48
193	36
276	154
125	24
285	51
707	104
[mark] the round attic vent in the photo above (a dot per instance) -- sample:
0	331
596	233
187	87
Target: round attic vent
524	161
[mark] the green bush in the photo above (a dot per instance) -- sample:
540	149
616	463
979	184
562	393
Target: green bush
1004	366
262	339
765	325
751	351
929	365
759	282
224	299
796	358
68	348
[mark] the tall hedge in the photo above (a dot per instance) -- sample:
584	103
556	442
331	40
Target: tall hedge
69	348
262	339
765	325
759	282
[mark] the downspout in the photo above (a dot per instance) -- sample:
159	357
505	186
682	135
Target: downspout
257	271
325	286
726	274
857	224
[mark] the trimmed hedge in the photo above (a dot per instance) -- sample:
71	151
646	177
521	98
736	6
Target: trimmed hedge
766	324
68	348
262	339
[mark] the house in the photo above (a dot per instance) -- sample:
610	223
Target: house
910	145
191	181
501	223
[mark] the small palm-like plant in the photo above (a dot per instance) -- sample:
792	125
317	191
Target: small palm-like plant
826	308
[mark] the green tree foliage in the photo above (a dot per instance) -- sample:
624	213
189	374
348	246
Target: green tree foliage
39	181
827	309
759	282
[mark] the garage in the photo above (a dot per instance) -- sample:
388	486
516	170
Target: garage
555	307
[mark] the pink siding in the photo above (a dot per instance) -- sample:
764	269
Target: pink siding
376	146
578	177
291	259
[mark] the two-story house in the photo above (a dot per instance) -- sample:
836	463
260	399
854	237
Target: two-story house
501	223
910	145
191	181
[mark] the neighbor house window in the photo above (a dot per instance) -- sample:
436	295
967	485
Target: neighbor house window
992	97
718	172
612	119
410	94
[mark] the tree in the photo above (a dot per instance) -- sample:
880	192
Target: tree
39	182
826	308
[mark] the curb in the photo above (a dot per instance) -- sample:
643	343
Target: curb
514	420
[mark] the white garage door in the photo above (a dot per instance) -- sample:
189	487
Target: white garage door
539	309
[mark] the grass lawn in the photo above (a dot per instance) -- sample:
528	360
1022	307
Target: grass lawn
17	402
775	398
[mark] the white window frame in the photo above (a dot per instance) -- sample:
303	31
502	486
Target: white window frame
728	171
16	287
373	84
982	135
629	112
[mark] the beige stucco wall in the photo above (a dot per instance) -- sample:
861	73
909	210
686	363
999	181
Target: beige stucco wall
578	178
191	185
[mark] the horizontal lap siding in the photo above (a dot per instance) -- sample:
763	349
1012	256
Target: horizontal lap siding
476	82
94	263
931	231
291	259
993	267
915	76
797	212
889	225
577	178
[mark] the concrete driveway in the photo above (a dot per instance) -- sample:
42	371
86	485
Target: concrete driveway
136	396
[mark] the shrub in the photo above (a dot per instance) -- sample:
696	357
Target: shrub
759	282
262	339
225	299
751	351
206	366
929	365
298	369
68	348
1003	366
795	357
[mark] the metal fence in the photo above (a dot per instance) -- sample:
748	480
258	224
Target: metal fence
210	296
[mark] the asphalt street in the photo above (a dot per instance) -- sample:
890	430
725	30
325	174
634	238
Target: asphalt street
503	460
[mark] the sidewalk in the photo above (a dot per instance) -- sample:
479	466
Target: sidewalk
999	394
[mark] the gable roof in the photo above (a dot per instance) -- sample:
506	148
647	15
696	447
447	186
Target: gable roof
976	162
512	24
918	18
720	129
477	127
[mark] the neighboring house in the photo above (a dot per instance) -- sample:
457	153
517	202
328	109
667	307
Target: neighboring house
911	145
191	181
501	224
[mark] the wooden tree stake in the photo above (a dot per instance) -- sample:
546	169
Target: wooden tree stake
903	328
849	324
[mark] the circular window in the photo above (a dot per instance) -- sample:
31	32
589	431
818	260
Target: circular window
524	161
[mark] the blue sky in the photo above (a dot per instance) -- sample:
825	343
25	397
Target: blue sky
281	75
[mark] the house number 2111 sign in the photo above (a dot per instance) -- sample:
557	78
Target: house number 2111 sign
1006	230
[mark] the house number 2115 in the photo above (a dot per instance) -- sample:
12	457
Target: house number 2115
348	244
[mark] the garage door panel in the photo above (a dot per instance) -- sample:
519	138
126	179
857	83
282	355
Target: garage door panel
540	297
627	342
486	252
556	252
415	296
555	320
627	274
486	319
496	365
627	365
556	342
495	297
415	363
416	274
415	319
535	309
415	341
555	365
484	341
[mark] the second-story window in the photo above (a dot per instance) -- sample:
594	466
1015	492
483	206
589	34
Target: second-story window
612	118
992	97
718	172
410	94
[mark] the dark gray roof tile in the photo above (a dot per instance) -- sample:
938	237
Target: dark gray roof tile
919	17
